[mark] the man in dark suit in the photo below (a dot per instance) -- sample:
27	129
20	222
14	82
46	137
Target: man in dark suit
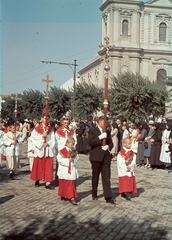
100	159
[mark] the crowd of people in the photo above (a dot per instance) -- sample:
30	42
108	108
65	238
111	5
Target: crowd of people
144	144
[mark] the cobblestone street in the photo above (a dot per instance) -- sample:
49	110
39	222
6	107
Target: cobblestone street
38	213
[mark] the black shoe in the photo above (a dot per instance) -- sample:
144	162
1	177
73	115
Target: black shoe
110	200
123	195
63	199
49	187
94	198
37	184
11	174
73	202
128	198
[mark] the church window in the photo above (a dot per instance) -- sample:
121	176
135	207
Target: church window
162	31
125	27
161	75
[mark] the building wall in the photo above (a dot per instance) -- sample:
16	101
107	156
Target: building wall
138	51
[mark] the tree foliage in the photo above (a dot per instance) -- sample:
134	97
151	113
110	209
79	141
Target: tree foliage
135	97
88	99
33	103
59	102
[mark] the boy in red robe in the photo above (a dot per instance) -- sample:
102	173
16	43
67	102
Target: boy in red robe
67	171
44	142
126	161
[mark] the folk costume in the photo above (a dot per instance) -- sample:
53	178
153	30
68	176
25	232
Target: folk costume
126	178
67	173
43	157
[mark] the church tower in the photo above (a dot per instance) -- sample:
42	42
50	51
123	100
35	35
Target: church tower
141	36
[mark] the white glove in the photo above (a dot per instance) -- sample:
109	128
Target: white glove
103	135
105	148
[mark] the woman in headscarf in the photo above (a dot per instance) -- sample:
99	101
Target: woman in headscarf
114	136
165	152
154	159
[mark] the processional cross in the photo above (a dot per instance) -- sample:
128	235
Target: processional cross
16	101
47	81
106	47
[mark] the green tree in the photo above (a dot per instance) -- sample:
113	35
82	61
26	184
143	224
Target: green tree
8	107
59	102
33	103
88	99
135	97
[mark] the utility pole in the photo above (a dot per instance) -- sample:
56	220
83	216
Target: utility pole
73	68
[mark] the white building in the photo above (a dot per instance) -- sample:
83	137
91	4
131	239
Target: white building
69	84
141	34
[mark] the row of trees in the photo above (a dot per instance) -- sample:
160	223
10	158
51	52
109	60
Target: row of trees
130	95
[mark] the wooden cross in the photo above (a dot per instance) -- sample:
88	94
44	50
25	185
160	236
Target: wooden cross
47	80
16	100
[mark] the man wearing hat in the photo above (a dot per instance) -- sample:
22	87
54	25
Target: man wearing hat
100	159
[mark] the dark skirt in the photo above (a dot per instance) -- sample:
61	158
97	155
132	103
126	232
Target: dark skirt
155	154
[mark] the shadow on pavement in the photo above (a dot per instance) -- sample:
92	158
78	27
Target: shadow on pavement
69	227
6	198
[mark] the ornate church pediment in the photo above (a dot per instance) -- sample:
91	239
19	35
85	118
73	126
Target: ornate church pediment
163	16
125	12
162	60
159	3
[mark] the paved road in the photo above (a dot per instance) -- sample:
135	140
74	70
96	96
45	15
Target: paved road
37	213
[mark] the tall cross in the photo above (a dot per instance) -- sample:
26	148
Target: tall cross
47	81
1	101
106	47
16	100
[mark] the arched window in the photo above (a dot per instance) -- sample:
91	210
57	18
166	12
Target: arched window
125	27
162	31
161	75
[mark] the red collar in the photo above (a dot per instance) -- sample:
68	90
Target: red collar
60	131
40	129
126	154
66	154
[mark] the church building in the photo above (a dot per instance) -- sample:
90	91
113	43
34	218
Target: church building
139	35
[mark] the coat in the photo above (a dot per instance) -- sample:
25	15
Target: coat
96	152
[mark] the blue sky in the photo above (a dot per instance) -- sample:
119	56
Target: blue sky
54	30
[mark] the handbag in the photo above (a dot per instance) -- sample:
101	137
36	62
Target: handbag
146	145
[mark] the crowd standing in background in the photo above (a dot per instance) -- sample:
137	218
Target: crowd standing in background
149	143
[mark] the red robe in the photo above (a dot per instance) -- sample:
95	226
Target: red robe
42	167
67	188
127	184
